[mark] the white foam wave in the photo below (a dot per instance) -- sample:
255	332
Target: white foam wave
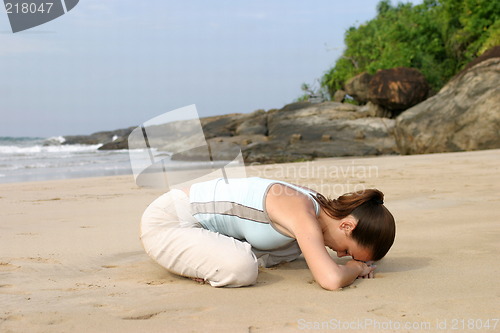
55	140
48	149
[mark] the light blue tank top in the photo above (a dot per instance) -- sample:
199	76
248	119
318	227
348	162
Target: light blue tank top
236	208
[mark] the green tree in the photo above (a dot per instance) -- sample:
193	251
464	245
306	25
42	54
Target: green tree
438	37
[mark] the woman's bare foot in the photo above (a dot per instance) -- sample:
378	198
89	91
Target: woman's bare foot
199	280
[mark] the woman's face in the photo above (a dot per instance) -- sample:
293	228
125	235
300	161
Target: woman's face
338	238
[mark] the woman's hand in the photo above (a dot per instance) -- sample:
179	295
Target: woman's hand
367	269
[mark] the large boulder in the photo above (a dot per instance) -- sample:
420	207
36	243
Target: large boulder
464	115
358	87
398	89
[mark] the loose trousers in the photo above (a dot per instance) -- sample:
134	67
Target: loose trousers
177	241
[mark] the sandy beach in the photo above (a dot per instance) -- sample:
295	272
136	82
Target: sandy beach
71	259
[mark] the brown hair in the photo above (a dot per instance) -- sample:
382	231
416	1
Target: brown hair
375	229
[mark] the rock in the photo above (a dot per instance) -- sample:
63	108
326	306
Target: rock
216	151
224	125
294	138
221	148
398	89
326	137
98	137
242	140
297	132
464	115
82	140
358	137
494	52
373	110
296	106
120	143
347	107
322	130
310	121
358	87
339	96
253	124
273	152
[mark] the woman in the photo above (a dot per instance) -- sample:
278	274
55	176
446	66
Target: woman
219	231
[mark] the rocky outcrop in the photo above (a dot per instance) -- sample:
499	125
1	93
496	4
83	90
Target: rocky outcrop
298	131
464	115
104	137
322	130
359	86
398	89
344	137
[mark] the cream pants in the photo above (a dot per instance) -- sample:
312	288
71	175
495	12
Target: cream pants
174	239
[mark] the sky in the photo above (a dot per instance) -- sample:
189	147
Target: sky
110	64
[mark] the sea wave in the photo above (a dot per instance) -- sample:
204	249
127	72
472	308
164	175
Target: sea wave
55	140
33	159
47	149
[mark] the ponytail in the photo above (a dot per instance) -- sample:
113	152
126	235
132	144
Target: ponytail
375	229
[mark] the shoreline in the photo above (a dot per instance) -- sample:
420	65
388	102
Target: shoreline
288	165
71	259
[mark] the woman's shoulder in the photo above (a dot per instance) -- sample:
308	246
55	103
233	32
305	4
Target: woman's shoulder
282	198
289	207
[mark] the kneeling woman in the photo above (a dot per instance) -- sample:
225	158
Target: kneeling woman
219	231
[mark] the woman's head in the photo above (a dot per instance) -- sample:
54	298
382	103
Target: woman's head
375	228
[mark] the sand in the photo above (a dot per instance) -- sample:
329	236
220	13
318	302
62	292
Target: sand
71	259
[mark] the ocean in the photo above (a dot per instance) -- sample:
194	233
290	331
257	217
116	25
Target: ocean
24	159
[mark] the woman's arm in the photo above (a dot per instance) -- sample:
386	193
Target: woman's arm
294	212
326	272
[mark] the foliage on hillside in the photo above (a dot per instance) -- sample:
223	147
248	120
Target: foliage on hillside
438	37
